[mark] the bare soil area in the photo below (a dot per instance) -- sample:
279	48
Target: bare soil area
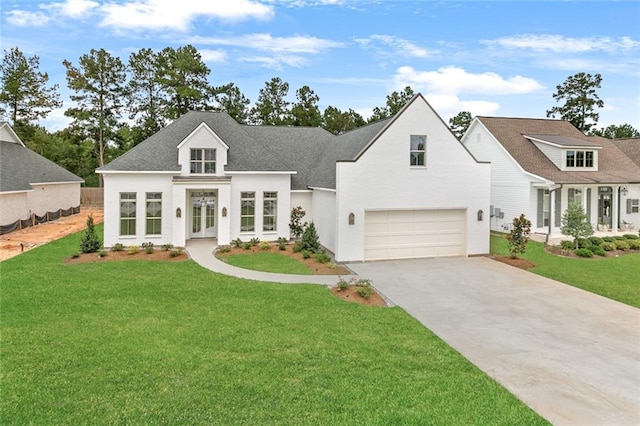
517	262
14	243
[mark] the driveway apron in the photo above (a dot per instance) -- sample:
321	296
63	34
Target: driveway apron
572	356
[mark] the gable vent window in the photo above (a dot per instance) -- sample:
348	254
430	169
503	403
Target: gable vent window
203	161
418	150
578	158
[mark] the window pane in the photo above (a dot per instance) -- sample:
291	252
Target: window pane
570	159
209	154
209	167
418	143
196	167
589	159
196	154
579	158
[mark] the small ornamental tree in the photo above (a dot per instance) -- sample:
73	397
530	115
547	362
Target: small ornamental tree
310	240
575	223
90	241
519	235
295	225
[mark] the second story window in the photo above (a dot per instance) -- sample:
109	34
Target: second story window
203	161
418	150
577	158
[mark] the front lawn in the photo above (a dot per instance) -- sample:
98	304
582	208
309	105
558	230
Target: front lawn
268	262
143	342
614	277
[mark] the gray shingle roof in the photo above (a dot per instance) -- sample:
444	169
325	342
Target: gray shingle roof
613	165
311	152
20	167
631	147
564	141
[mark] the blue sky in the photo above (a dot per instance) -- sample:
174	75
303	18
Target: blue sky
490	58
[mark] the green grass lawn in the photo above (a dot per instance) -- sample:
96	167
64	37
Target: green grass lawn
617	278
172	343
268	262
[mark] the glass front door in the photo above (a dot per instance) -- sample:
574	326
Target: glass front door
203	214
604	205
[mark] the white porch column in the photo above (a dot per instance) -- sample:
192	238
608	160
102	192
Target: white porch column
615	209
552	210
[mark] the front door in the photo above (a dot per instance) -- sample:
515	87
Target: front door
203	214
604	205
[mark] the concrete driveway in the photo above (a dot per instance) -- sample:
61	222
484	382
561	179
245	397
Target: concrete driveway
572	356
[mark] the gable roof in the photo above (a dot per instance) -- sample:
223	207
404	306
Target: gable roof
311	152
614	166
631	147
20	167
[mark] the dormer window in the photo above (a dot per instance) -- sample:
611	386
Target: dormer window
203	161
579	159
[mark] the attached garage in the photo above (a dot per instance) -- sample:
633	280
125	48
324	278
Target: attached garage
401	234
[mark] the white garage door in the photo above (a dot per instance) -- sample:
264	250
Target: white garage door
401	234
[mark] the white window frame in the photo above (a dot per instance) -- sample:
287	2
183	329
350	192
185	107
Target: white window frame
247	211
418	152
270	216
202	165
579	159
130	220
152	198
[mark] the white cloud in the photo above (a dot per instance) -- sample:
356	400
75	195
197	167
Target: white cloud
448	105
400	46
22	18
178	15
209	55
268	43
56	120
561	44
276	62
454	80
72	8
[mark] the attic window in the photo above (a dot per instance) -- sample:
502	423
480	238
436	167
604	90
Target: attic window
579	159
203	161
418	150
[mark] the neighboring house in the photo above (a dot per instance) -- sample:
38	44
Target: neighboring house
399	188
31	184
539	166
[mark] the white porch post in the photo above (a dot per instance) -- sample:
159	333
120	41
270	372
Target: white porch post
552	210
616	208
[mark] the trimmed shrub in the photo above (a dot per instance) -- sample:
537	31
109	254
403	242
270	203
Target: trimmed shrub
148	247
102	253
566	245
247	245
608	239
90	241
608	246
584	243
264	245
597	250
282	245
583	252
322	257
310	240
619	238
224	249
237	243
297	246
254	241
622	245
305	254
595	241
117	247
342	284
175	252
364	288
634	244
132	249
630	237
167	247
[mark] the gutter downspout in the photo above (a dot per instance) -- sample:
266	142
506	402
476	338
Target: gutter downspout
551	191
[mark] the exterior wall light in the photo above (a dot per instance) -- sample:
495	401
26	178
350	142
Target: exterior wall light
224	212
480	215
352	219
178	212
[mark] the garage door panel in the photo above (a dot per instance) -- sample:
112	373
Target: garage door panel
398	234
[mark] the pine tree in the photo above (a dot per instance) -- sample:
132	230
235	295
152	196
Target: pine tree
90	241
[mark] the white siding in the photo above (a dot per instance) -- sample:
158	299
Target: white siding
14	206
634	218
553	153
202	137
382	179
324	217
303	199
41	199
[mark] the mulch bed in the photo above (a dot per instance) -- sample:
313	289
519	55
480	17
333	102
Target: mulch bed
157	255
517	262
350	294
317	267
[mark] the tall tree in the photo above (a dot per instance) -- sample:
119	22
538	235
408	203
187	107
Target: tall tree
580	100
395	102
146	95
24	93
271	108
305	111
99	86
623	131
460	123
233	102
184	76
338	122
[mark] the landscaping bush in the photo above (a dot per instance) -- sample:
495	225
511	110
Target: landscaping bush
364	288
595	241
622	245
310	240
102	253
618	238
297	246
634	244
296	226
176	252
630	237
282	240
282	245
247	245
518	238
322	257
117	247
342	284
133	249
167	247
254	241
608	246
90	241
224	249
583	252
147	247
608	239
264	245
305	254
597	250
584	243
237	243
566	245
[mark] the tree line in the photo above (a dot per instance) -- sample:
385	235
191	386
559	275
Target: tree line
118	104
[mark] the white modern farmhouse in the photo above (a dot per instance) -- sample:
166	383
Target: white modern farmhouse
399	188
539	166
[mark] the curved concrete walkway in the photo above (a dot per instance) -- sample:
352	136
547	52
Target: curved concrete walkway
201	251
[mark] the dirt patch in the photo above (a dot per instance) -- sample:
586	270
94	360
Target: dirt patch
350	294
157	255
517	262
14	243
317	267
